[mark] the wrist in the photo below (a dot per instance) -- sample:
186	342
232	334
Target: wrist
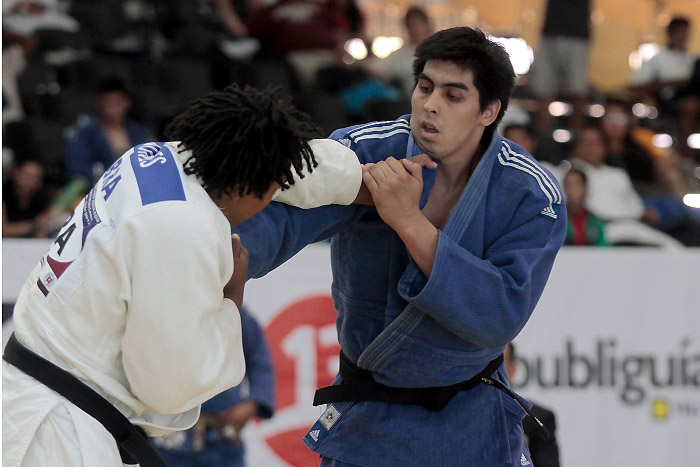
409	222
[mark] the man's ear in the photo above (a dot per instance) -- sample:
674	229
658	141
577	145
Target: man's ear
488	116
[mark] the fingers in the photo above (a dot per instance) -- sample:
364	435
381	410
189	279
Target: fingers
376	174
236	245
423	160
369	180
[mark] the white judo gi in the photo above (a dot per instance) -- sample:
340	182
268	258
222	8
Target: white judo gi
129	299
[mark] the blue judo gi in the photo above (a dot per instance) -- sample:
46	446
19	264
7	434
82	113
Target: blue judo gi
493	259
177	449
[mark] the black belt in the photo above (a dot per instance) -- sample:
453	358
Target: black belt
359	385
132	440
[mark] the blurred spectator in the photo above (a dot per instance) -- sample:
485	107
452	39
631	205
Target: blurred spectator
303	31
47	22
583	228
611	195
656	173
26	201
561	62
233	13
666	77
544	452
26	17
14	61
98	140
544	149
348	18
398	67
215	440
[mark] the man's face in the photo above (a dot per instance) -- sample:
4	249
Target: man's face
574	189
113	106
678	38
446	120
28	178
590	146
522	137
418	29
238	208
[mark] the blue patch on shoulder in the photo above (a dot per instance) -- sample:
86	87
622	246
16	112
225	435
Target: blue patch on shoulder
157	174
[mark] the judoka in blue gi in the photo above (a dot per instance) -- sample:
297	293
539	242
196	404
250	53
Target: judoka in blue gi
434	281
215	440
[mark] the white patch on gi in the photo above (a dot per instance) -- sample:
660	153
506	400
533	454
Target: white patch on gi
314	434
523	460
329	417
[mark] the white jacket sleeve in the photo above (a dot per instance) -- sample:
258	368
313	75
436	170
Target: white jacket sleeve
182	341
336	179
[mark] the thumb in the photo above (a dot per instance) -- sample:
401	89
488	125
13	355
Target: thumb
236	244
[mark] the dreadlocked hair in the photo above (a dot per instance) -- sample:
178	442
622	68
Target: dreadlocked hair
244	139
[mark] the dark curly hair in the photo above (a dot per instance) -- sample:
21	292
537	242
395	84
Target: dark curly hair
244	139
470	49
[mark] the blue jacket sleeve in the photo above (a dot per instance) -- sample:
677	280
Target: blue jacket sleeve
488	300
81	151
259	370
280	231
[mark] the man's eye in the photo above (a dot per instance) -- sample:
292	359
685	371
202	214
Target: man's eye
452	97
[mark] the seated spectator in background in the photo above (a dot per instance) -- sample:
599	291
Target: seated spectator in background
398	67
215	440
657	174
524	135
583	228
303	31
26	201
15	53
666	78
26	17
544	452
348	18
233	14
561	62
611	195
98	140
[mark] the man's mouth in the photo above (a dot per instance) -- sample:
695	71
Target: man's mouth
429	127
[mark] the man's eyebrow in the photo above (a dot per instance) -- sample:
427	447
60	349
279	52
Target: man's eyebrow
446	85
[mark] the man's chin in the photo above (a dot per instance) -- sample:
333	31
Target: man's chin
428	147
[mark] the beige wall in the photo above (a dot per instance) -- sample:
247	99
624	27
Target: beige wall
619	26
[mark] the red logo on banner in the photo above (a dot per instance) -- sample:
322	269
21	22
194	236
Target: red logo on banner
304	346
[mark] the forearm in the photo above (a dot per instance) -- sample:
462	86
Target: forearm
421	240
364	197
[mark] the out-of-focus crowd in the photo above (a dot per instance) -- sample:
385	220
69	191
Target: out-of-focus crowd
84	81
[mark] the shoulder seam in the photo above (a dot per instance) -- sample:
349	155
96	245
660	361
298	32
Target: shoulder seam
509	158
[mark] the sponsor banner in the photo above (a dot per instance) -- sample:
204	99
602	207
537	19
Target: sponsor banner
613	348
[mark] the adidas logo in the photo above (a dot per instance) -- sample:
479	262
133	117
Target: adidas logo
314	434
523	460
549	211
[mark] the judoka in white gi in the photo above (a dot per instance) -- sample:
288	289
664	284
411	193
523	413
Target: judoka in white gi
138	297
